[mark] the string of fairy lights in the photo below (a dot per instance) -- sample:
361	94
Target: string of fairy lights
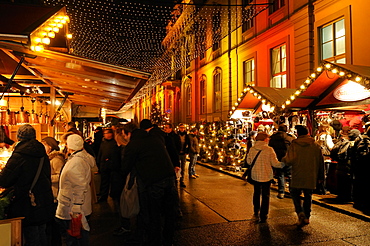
159	37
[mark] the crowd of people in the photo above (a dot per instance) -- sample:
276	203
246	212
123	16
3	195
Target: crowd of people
64	188
55	188
319	164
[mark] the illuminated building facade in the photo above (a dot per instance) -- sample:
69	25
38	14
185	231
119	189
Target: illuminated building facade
219	49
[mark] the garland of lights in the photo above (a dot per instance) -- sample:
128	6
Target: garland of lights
159	37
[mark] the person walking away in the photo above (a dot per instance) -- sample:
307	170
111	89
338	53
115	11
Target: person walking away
172	142
98	138
19	172
74	197
184	150
57	162
280	141
262	173
193	152
109	163
306	159
126	225
146	154
251	139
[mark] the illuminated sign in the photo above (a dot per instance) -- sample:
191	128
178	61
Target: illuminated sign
350	92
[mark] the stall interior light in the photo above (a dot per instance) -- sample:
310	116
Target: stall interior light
334	70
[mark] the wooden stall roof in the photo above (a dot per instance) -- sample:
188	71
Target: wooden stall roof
87	82
252	96
317	92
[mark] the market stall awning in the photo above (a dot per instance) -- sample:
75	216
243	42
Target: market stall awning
86	82
253	98
333	86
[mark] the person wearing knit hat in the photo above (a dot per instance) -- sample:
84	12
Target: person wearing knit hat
20	170
75	192
261	172
52	142
75	142
26	132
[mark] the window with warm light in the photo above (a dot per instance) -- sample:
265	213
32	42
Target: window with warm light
333	42
278	67
202	89
188	100
276	5
249	72
217	100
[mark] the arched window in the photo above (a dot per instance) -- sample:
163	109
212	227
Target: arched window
217	100
203	94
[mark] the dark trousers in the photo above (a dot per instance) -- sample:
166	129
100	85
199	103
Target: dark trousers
261	199
158	202
297	201
182	158
105	182
35	235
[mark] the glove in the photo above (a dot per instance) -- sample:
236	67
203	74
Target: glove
76	209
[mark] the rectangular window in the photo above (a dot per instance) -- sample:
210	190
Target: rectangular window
275	5
333	42
278	67
249	72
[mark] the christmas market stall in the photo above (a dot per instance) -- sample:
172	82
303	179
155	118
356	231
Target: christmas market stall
335	95
257	108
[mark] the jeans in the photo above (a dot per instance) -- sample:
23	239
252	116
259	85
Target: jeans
280	174
35	235
193	161
182	165
297	201
261	190
72	241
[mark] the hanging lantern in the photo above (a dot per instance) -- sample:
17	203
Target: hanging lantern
34	118
8	118
22	116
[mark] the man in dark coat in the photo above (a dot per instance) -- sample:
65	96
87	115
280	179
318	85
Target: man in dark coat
19	173
280	141
184	150
172	141
109	159
147	155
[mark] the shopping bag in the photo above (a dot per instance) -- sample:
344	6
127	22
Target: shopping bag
129	203
75	226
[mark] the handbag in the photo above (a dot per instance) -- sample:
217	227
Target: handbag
248	172
129	202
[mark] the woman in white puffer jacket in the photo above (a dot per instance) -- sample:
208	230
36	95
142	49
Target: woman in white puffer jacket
74	189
